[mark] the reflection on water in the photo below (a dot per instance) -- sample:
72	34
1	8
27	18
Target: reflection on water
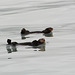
40	47
14	49
48	35
11	48
8	47
23	36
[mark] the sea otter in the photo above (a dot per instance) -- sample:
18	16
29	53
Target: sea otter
11	46
46	31
33	43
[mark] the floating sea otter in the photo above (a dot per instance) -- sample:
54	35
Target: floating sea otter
33	43
47	32
36	43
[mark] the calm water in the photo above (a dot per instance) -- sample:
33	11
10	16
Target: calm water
58	55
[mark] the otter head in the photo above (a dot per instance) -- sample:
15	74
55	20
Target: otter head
50	29
9	41
47	30
41	41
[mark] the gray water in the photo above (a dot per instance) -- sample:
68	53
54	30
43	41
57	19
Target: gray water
58	57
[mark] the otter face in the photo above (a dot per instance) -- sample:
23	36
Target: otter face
42	40
47	30
50	29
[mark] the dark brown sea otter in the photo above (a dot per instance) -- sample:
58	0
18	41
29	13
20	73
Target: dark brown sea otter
33	43
46	31
11	46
